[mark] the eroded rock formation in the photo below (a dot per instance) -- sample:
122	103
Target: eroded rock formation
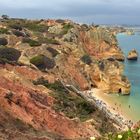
54	53
132	55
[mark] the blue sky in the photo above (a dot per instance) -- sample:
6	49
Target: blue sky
85	11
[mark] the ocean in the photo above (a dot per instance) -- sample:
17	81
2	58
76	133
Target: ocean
132	71
129	106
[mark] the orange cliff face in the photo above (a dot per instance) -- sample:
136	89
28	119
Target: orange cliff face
33	105
104	71
56	50
101	44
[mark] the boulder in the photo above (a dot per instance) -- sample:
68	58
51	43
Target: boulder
55	29
71	36
132	55
119	57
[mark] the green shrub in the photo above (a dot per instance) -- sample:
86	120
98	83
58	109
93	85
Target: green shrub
70	104
34	43
126	135
56	86
60	21
6	17
52	41
48	41
102	66
18	33
38	61
16	27
43	62
26	40
3	61
15	23
33	26
53	51
66	28
85	27
111	59
31	42
30	25
3	31
124	78
41	81
9	54
86	59
63	32
3	41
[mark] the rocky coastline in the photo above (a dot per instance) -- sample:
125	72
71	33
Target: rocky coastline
132	55
37	56
121	122
116	117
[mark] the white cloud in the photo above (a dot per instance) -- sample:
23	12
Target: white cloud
72	8
60	3
23	3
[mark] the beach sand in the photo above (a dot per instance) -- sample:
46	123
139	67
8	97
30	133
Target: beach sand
113	106
106	104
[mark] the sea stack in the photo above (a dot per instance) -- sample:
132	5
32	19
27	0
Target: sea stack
132	55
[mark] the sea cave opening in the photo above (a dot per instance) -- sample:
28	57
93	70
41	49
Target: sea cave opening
120	90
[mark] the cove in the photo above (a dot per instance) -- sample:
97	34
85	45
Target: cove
130	104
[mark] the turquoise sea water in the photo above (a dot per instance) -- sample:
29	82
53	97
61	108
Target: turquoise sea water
132	71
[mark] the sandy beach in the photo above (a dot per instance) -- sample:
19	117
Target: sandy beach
110	108
112	105
112	111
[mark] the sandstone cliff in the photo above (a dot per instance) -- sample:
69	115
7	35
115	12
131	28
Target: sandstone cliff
132	55
38	58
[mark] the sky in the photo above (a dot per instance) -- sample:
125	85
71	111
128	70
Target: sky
83	11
